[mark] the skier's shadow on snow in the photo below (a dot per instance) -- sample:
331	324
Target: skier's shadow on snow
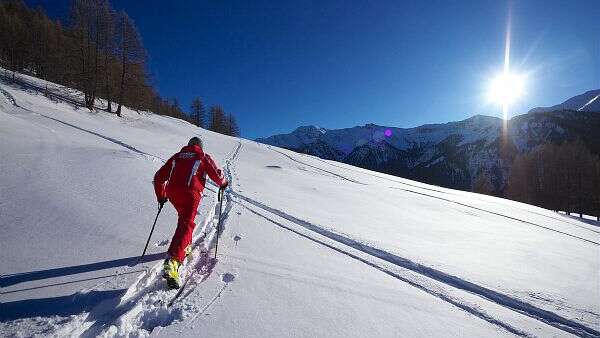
56	306
8	280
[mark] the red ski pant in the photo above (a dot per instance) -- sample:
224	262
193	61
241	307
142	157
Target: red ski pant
186	203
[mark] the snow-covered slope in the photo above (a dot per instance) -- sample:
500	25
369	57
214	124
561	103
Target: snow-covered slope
588	101
309	247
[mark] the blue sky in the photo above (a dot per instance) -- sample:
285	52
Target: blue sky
280	64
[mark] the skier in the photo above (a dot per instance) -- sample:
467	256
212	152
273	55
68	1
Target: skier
181	180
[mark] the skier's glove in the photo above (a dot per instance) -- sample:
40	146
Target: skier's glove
224	184
162	201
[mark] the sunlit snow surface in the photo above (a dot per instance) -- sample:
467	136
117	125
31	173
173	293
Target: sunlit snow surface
309	247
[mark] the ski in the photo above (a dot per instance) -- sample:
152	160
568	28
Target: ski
205	268
205	264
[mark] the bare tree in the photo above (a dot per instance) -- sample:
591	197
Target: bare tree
91	25
217	119
100	53
198	113
107	45
131	52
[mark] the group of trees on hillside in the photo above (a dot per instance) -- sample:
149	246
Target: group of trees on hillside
99	52
562	177
216	120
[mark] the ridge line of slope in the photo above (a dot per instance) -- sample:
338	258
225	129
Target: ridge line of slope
506	301
315	167
107	138
330	162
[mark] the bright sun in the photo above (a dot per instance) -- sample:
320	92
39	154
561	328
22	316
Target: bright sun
506	88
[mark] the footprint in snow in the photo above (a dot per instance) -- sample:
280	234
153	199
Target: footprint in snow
227	277
236	238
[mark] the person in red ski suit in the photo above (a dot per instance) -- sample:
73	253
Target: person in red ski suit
181	180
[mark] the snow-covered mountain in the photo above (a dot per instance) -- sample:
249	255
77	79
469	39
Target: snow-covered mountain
588	101
309	247
450	154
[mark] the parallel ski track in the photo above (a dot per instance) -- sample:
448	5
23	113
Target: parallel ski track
151	281
208	262
506	301
470	309
445	199
497	214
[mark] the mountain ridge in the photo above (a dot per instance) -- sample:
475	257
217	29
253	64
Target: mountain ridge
454	153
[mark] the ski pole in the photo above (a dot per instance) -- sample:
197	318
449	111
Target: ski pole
219	222
151	231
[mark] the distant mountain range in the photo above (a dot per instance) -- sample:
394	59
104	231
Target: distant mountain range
452	154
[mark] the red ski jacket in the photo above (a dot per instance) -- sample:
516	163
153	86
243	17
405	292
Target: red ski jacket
187	171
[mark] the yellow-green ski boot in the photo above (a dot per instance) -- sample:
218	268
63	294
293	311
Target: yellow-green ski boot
188	252
171	273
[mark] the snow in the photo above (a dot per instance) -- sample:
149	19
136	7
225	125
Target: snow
589	103
309	247
585	102
345	140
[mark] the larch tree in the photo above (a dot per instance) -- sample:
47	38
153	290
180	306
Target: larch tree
217	119
131	53
198	112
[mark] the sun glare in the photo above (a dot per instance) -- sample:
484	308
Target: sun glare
506	89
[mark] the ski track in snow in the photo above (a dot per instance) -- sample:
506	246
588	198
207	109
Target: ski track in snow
441	198
440	276
329	162
501	215
110	139
315	167
147	303
144	305
470	309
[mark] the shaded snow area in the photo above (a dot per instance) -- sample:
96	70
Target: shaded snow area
587	101
308	247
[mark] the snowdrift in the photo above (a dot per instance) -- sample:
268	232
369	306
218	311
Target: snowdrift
309	247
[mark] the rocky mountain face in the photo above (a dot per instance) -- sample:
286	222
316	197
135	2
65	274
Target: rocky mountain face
455	153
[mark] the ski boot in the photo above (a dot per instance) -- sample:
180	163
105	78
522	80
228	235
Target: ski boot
171	273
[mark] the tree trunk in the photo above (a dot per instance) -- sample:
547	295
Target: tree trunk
107	83
94	80
122	87
124	65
